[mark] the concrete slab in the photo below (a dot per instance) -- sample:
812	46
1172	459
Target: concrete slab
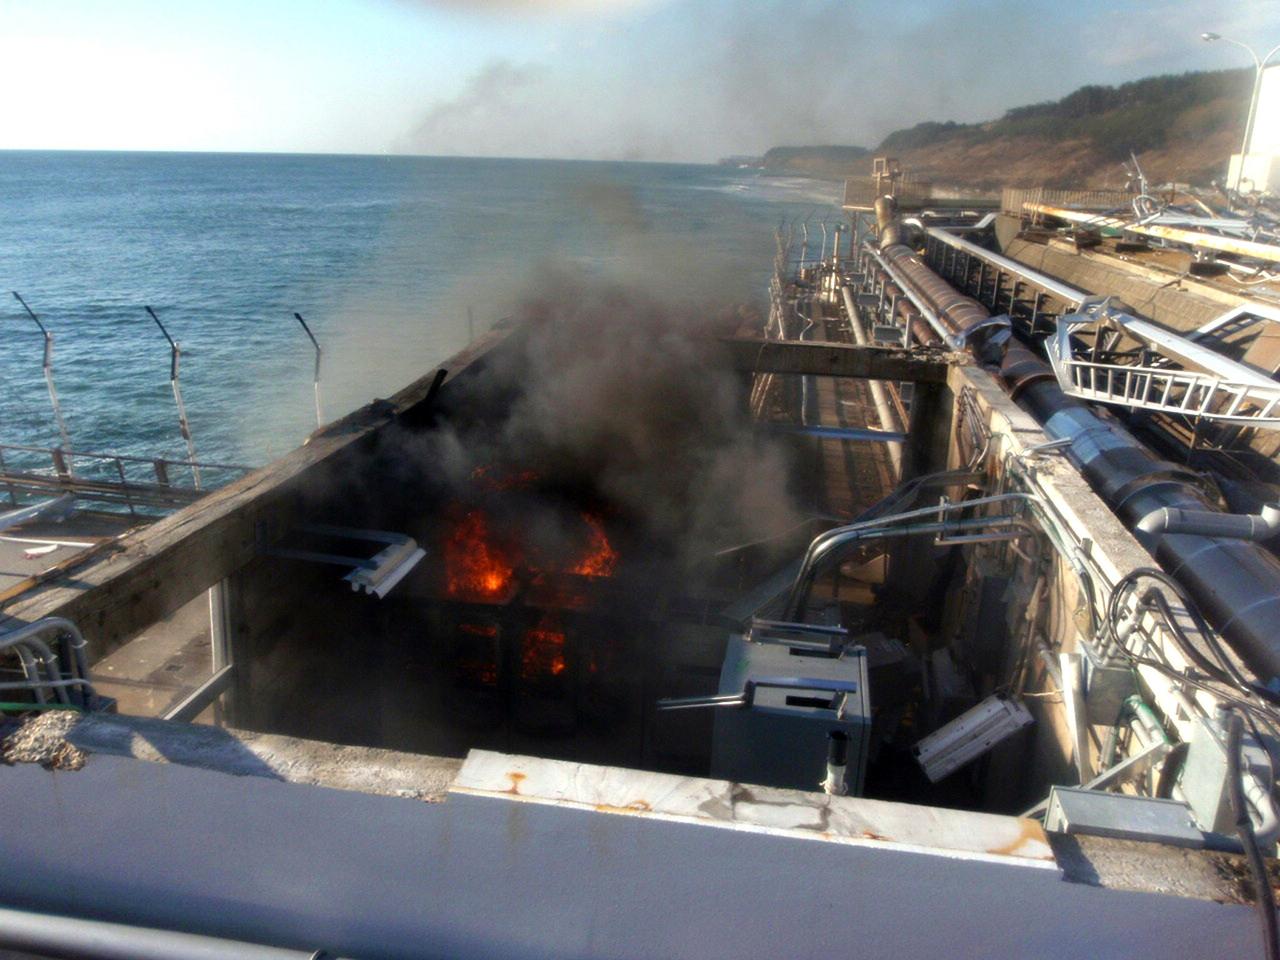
25	553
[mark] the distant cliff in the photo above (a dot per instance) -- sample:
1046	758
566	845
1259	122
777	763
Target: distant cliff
1182	127
831	161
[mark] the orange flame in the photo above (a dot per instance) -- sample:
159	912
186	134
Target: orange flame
600	558
542	650
476	567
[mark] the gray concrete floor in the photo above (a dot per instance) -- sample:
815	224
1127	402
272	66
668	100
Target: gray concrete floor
23	548
161	665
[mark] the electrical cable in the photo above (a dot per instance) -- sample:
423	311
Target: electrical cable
1170	769
1264	896
1224	671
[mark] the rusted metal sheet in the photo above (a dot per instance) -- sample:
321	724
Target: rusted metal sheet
959	834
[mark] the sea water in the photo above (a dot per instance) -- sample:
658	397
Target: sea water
395	262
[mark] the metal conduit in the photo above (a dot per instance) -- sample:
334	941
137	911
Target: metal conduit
824	546
28	637
835	547
879	396
55	936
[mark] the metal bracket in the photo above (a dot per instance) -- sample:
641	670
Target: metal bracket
376	575
804	636
746	698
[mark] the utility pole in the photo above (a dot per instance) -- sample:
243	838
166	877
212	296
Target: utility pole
1260	64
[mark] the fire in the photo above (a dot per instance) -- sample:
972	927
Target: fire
476	566
483	565
542	649
600	558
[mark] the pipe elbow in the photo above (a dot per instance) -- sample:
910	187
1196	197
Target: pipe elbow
1157	521
1206	523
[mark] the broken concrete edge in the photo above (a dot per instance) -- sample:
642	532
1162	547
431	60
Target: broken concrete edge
64	740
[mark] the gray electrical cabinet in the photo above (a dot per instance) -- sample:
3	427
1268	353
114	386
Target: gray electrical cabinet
780	739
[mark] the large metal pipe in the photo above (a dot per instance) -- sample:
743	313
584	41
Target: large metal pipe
917	300
957	312
1236	583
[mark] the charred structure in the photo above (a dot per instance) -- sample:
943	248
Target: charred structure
946	567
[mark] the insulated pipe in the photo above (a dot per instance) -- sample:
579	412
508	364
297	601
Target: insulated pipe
1235	583
886	207
957	312
917	300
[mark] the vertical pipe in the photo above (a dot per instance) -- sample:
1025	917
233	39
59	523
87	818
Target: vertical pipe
879	396
219	638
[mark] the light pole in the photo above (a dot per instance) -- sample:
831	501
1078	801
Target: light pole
1260	64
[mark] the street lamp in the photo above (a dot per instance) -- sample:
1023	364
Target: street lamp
1260	64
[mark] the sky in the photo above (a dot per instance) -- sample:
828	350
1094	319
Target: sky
667	80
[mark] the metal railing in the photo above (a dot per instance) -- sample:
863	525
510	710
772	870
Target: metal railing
134	482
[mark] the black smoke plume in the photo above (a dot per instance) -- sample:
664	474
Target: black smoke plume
609	395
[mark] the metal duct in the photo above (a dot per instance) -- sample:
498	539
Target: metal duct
886	208
1236	583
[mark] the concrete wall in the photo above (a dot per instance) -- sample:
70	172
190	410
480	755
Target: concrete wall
490	876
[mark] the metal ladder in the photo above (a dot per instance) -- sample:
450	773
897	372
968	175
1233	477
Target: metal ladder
1220	390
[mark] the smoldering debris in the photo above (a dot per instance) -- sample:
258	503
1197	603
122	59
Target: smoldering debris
615	395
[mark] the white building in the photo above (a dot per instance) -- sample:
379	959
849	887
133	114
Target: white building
1261	170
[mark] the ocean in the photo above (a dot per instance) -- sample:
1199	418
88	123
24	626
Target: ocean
393	261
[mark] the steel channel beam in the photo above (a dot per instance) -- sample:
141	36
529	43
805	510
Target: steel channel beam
1070	296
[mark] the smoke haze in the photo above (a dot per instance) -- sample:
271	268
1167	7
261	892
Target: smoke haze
698	81
617	395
